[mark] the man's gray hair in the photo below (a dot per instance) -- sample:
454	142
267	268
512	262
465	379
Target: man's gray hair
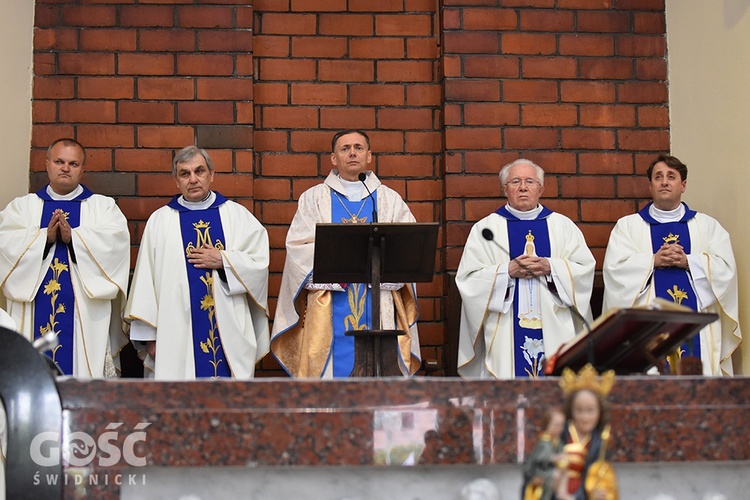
504	171
187	153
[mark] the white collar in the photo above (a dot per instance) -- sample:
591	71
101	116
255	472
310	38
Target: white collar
667	215
64	197
353	190
198	205
531	214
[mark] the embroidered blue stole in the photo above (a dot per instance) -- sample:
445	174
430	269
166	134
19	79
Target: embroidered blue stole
54	303
351	308
199	227
673	283
528	340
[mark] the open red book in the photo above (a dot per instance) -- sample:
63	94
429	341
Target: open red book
630	341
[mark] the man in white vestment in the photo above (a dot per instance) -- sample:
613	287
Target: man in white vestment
198	301
64	262
669	251
309	330
525	279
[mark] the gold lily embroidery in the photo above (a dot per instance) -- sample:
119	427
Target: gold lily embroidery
677	295
212	342
51	288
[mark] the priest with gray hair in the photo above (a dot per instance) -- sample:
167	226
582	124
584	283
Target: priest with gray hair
198	301
525	279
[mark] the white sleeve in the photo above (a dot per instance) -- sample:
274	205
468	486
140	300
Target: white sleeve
703	291
561	297
141	331
232	286
502	295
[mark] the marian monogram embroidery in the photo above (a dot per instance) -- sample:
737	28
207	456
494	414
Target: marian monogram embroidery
211	345
203	237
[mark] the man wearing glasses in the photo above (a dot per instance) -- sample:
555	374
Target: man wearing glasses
525	279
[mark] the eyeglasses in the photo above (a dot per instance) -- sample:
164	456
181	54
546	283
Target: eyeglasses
517	183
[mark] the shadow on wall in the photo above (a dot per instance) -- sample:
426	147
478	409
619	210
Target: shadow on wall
734	11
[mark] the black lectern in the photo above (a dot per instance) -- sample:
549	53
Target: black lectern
630	341
374	254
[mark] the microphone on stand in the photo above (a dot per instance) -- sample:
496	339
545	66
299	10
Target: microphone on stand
488	235
362	177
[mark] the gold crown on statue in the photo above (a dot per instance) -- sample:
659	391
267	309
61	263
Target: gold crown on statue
529	237
587	378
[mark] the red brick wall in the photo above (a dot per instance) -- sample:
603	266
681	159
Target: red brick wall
448	95
578	86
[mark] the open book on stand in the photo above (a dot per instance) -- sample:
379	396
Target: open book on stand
630	341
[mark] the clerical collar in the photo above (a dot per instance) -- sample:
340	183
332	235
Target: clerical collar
663	216
198	205
64	197
352	189
531	214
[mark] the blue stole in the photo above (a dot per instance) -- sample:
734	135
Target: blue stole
673	283
199	227
528	339
54	303
351	309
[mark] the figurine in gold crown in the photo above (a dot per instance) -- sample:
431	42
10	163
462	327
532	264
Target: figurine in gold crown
671	252
585	474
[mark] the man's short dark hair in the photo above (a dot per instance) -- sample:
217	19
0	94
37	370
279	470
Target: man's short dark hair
344	132
671	161
67	141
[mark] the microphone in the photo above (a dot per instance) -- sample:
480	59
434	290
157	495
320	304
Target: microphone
362	177
488	235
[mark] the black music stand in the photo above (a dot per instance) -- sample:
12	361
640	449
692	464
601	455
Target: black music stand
629	341
375	253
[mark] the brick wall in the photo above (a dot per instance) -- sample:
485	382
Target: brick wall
448	94
578	86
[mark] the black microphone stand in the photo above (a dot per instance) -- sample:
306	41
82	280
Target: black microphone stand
362	178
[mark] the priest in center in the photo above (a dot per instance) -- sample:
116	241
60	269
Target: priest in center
309	330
